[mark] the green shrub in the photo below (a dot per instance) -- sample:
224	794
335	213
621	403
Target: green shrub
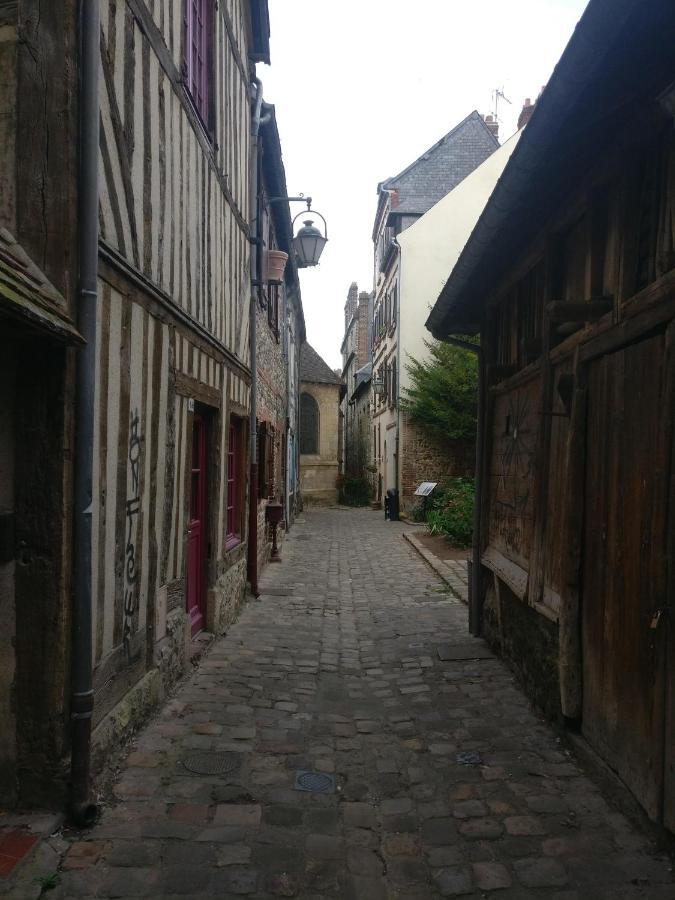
355	491
419	512
451	511
442	394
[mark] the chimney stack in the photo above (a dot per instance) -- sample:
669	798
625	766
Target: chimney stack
351	304
525	113
492	124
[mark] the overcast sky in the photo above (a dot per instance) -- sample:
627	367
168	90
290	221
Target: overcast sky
364	87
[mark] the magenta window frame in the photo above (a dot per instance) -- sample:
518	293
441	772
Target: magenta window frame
232	511
196	54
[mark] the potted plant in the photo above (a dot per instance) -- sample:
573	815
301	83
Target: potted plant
276	263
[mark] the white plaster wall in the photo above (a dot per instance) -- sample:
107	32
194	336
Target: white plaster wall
432	245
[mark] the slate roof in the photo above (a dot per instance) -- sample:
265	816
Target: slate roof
362	377
441	168
315	369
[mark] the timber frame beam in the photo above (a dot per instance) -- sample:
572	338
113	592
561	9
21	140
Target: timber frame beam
118	264
154	37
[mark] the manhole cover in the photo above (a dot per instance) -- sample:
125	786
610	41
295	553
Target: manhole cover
211	763
316	782
469	758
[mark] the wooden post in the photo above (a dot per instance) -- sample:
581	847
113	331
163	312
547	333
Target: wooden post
485	359
569	633
535	589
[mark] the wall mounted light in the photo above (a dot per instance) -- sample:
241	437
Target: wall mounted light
309	242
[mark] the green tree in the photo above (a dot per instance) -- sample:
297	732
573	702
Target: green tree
443	394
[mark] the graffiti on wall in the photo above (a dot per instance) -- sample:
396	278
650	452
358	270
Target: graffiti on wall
133	510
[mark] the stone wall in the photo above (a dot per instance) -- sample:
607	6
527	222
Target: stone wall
318	472
231	590
272	408
526	640
423	457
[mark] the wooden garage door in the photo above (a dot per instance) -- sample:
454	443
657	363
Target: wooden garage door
625	568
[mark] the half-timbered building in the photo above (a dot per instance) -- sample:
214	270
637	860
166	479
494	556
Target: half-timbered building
173	374
172	379
569	278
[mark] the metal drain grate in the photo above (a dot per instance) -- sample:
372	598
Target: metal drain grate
315	782
469	758
211	763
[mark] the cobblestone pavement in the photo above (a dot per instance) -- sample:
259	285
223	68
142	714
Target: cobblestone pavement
447	783
453	572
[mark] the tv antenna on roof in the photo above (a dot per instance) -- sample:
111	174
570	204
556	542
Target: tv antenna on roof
498	94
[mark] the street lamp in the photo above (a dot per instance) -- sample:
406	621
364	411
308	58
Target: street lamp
309	242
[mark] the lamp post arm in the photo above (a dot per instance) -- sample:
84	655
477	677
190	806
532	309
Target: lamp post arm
300	199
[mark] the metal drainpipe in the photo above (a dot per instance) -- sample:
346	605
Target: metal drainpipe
82	808
476	605
256	121
287	352
398	372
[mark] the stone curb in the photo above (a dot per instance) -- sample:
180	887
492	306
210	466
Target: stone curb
442	569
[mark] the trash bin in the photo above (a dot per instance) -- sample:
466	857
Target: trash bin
391	505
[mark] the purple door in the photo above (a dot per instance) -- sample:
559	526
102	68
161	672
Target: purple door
196	544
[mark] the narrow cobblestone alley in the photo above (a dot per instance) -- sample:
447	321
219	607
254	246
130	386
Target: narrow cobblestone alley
447	784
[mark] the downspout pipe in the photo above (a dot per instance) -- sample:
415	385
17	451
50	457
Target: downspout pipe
82	808
397	399
256	277
287	361
476	602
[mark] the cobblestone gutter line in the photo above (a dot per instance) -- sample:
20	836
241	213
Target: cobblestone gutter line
453	572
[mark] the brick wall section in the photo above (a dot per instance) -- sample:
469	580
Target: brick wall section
426	458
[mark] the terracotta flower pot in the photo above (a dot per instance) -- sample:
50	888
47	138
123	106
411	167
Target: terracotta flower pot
276	263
